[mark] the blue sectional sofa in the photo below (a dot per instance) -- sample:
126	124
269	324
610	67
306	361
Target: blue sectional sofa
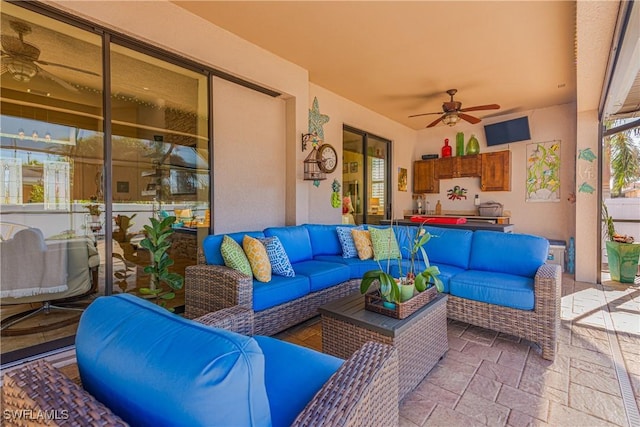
142	365
494	280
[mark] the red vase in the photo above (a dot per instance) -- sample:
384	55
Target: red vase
446	150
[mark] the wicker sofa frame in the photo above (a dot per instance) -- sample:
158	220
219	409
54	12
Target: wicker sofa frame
214	287
539	325
358	394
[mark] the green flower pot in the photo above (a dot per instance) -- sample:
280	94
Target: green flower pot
623	261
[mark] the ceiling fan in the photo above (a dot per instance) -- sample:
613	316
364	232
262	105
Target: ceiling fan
21	58
452	111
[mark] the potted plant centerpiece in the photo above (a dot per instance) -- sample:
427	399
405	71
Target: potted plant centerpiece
402	289
430	274
622	253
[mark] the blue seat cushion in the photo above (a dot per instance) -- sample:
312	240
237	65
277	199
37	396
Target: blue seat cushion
357	266
279	290
211	245
510	253
152	367
295	240
322	274
293	375
507	290
446	271
324	239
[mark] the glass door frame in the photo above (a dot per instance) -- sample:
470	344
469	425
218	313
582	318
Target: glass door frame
365	136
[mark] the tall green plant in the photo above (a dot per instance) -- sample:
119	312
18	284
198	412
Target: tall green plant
624	157
157	243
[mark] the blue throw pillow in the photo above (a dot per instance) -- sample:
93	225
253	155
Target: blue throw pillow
346	241
280	263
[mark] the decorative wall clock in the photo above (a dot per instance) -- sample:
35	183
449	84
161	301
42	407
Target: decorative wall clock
328	158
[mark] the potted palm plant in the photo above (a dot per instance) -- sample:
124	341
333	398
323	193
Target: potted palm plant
622	253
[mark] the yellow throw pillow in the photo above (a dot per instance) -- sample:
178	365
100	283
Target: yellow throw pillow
258	258
362	239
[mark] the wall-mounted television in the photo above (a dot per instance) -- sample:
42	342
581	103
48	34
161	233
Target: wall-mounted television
509	131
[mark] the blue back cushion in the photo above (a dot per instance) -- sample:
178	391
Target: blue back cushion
152	367
510	253
449	246
404	236
324	239
294	374
211	245
295	240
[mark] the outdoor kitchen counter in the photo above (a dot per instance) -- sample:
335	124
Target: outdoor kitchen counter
473	225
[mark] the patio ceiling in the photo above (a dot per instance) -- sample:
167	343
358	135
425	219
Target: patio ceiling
399	58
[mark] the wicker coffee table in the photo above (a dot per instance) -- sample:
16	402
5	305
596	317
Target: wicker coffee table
421	339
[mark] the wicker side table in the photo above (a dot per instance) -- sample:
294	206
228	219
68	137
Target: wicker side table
421	339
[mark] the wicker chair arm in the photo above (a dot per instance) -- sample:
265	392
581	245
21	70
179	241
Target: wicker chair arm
38	390
547	287
363	392
237	319
214	287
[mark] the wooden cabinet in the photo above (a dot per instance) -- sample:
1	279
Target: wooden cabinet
424	178
496	173
445	168
468	166
492	168
458	167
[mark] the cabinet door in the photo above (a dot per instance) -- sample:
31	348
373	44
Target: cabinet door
445	168
424	180
468	166
496	174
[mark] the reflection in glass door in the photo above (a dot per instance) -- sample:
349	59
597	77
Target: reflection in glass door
160	164
366	177
52	208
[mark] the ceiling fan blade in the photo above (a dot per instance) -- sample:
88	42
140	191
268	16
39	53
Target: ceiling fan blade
435	122
44	73
425	114
39	61
470	119
482	107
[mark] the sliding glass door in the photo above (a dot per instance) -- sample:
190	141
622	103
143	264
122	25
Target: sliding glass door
366	177
98	134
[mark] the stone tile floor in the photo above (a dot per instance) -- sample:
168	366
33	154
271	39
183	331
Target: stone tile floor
487	378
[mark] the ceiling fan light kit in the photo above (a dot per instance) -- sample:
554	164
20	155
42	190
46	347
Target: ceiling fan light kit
453	112
451	119
20	70
22	60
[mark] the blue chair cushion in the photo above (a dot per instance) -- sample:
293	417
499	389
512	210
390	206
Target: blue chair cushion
295	240
357	267
211	245
152	367
507	290
324	239
322	274
519	254
449	246
278	291
293	375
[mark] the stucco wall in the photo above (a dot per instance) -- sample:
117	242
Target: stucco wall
341	111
